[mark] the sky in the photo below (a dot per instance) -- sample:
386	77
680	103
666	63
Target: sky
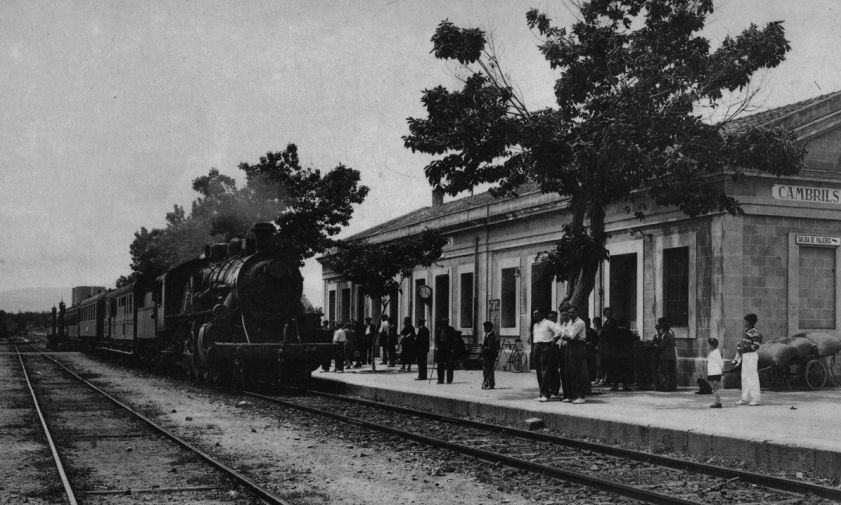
109	109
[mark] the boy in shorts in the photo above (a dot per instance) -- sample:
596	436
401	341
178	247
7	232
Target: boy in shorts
715	366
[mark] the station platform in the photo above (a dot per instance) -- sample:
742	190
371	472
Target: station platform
794	430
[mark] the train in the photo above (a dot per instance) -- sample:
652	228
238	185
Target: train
235	314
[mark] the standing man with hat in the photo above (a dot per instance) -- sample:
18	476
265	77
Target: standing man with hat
490	350
445	350
422	348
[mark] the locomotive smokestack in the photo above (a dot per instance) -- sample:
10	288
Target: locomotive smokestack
263	233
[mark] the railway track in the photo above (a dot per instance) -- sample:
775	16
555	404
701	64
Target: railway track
632	474
106	452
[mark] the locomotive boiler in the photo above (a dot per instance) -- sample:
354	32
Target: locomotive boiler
235	314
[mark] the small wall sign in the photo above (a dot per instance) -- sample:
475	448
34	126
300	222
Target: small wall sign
817	240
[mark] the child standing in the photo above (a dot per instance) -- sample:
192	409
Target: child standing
715	367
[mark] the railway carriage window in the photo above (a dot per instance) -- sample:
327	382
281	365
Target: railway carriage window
816	270
508	298
676	285
466	300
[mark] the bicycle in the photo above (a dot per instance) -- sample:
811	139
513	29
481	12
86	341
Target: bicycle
517	358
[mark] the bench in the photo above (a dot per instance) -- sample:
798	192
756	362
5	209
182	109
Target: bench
473	357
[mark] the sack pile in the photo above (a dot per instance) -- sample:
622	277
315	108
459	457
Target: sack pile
803	346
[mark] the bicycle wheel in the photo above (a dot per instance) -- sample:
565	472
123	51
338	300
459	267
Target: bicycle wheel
834	363
498	358
814	374
518	361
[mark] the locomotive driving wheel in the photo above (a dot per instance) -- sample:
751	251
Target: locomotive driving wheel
814	374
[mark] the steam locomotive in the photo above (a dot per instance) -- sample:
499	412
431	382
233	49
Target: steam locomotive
235	314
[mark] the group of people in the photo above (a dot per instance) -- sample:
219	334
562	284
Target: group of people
560	355
359	345
567	354
362	344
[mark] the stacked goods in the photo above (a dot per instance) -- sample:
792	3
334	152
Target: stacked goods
777	354
805	348
802	346
827	345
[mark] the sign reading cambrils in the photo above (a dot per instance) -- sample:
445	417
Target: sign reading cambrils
806	194
817	240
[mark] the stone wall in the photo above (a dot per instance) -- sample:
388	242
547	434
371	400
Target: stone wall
767	242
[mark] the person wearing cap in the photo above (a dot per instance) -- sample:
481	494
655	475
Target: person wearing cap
421	348
408	350
445	350
490	350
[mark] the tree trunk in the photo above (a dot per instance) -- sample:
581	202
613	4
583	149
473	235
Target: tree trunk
578	292
587	277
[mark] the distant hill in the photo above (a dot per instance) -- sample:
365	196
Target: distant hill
33	299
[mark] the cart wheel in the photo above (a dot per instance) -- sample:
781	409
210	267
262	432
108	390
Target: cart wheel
834	363
815	374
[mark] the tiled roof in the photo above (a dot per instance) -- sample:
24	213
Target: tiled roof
770	115
428	213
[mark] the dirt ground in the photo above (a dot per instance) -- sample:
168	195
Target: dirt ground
307	464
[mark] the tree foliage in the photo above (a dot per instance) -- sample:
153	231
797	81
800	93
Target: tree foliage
308	208
380	268
313	207
634	76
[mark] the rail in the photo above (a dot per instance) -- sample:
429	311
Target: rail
65	482
629	491
263	493
779	483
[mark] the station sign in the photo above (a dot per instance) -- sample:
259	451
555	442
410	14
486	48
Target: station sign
817	240
806	194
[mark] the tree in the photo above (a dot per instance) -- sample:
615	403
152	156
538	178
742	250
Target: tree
307	208
634	75
313	207
381	268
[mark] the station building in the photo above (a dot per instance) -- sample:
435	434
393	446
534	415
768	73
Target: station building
779	259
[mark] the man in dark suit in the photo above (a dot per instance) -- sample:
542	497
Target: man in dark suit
422	348
445	350
490	350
